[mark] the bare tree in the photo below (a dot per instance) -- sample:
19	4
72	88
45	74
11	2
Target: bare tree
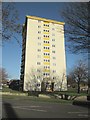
76	17
59	81
79	73
70	81
10	22
34	79
3	75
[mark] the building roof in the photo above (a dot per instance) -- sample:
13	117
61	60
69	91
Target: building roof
45	20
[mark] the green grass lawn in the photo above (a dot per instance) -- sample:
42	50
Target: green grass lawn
69	92
7	89
34	98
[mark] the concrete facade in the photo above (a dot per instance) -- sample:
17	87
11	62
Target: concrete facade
43	54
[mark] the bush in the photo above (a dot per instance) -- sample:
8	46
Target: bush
14	85
33	93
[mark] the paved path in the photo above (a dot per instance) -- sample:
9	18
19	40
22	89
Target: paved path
34	109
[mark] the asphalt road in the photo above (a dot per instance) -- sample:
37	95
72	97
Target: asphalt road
0	107
33	109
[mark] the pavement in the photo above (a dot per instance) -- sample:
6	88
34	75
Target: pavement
19	108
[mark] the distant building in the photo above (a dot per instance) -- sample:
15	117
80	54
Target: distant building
43	55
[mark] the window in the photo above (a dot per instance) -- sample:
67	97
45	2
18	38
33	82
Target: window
39	37
46	25
53	51
46	41
54	64
46	30
38	83
46	54
48	74
53	29
46	36
38	70
46	47
54	57
53	39
39	26
38	56
39	50
54	71
53	45
46	67
39	43
54	78
39	31
45	60
38	63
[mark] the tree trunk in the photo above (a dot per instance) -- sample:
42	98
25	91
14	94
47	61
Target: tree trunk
79	85
52	86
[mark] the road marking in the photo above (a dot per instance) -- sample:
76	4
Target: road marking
77	112
28	106
30	109
81	115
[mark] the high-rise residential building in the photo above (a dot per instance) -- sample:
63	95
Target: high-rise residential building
43	55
